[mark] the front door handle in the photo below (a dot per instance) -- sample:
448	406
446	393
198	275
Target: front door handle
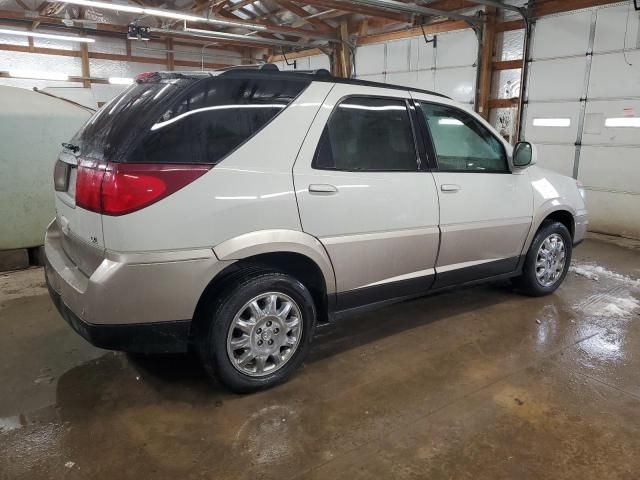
323	188
450	187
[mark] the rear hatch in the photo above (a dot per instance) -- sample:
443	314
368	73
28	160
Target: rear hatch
160	134
81	165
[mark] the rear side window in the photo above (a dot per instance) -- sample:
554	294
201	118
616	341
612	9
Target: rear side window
214	118
462	143
367	134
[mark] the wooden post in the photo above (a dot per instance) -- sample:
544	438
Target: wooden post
86	71
170	55
486	62
342	53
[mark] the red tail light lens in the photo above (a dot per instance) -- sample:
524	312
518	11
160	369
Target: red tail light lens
121	188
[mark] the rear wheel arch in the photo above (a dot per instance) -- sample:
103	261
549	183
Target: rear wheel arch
297	265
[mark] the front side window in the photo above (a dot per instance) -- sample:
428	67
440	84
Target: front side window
367	134
462	143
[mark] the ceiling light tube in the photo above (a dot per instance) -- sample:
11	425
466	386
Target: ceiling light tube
158	12
196	32
69	38
38	75
622	122
120	80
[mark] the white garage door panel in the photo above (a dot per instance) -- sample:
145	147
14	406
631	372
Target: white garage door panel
562	35
370	59
458	83
614	213
610	28
410	79
596	131
422	54
560	79
373	78
427	79
611	76
560	110
611	168
319	61
558	158
398	56
457	48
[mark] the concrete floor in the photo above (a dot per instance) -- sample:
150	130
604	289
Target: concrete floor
476	383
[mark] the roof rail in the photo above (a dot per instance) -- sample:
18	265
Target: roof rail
319	75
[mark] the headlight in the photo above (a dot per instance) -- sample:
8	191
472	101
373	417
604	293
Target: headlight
581	189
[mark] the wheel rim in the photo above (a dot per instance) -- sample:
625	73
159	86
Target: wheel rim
550	260
264	334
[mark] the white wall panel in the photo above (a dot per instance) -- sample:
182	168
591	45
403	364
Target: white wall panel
612	76
410	79
558	158
370	59
560	79
109	45
427	79
398	56
611	25
457	83
596	132
422	54
373	78
319	61
458	48
611	212
614	168
562	35
567	135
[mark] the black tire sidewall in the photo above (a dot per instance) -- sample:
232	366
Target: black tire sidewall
214	352
531	284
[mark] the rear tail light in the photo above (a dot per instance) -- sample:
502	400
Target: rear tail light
121	188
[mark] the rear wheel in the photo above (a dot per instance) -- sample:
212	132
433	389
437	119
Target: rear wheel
547	260
258	332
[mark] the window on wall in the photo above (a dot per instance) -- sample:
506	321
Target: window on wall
367	134
462	143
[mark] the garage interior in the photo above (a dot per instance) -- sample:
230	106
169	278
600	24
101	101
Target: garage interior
471	383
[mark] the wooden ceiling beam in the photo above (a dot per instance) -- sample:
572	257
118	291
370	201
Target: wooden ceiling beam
353	8
303	14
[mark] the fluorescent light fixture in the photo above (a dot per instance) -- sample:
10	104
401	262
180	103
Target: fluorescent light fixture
449	121
38	75
551	122
69	38
120	80
158	12
623	122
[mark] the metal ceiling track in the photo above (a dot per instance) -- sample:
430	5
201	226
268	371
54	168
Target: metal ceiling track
413	9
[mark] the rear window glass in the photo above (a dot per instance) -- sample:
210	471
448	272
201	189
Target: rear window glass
184	120
215	119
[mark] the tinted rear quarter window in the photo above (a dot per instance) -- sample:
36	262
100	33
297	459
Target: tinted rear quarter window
185	121
214	119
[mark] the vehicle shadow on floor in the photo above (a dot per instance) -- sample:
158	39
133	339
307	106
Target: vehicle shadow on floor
128	378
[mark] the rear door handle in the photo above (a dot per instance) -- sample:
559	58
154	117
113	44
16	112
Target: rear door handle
450	187
322	188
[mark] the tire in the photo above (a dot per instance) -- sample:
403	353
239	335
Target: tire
231	320
529	282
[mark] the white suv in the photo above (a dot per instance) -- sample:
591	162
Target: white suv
232	211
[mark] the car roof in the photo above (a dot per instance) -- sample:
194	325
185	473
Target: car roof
270	70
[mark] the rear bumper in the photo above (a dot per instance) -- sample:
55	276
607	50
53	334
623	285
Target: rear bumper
133	302
160	337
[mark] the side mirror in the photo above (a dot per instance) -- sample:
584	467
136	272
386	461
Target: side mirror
523	154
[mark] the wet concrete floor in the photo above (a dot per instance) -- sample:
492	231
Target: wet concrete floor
475	383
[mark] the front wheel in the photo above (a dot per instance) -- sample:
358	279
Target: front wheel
259	331
547	260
